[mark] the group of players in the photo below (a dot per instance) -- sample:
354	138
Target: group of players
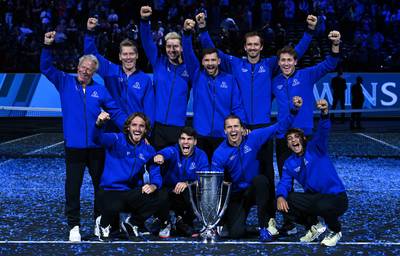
145	169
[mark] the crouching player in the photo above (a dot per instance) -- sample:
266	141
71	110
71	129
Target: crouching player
324	194
128	184
237	158
181	161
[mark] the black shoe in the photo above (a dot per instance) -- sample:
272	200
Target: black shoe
155	226
182	228
287	229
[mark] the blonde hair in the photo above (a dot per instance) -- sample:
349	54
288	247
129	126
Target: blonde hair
172	35
91	58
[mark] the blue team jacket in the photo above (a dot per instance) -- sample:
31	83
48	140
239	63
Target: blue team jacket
313	170
134	93
214	98
79	109
241	163
254	80
300	83
170	82
181	168
125	162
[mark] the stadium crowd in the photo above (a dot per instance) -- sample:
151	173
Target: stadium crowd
370	28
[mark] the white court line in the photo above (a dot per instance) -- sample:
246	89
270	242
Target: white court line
44	148
19	139
196	242
33	151
380	141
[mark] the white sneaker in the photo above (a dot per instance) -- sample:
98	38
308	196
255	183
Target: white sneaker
314	232
104	233
74	235
331	238
166	231
97	226
273	230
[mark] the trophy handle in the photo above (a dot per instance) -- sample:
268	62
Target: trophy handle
228	193
196	211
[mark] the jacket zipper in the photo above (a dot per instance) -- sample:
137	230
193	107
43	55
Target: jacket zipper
170	96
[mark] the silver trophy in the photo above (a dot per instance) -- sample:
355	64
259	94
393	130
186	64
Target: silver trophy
209	196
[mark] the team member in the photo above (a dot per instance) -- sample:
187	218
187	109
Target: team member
324	194
128	184
215	93
254	75
183	161
171	83
237	158
81	102
130	88
292	82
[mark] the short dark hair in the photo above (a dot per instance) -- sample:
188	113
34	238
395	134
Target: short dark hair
132	116
297	131
287	49
128	43
253	33
206	51
233	116
189	131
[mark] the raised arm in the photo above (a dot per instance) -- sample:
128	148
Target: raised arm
206	42
149	46
321	136
329	64
106	140
89	47
46	62
305	41
192	63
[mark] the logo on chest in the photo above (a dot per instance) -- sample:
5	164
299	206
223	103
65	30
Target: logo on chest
295	82
192	166
244	70
279	86
261	69
94	94
246	149
185	73
136	85
223	85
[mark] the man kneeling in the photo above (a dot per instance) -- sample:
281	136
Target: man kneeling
324	194
127	184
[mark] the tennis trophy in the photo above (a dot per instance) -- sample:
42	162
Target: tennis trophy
209	206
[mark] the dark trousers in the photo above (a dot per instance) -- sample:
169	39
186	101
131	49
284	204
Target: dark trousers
241	202
76	160
139	205
340	100
304	208
209	144
355	121
164	135
179	203
265	157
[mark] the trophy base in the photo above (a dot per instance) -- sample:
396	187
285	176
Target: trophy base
209	235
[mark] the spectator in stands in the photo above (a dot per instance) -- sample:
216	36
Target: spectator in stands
338	85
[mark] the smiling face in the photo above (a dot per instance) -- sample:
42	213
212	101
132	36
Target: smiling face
287	63
295	142
210	63
187	144
253	47
128	57
173	49
136	129
86	70
234	131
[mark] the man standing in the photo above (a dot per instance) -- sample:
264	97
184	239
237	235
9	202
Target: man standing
357	102
254	75
237	158
81	102
130	88
215	94
171	83
324	194
128	184
292	82
339	86
183	161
